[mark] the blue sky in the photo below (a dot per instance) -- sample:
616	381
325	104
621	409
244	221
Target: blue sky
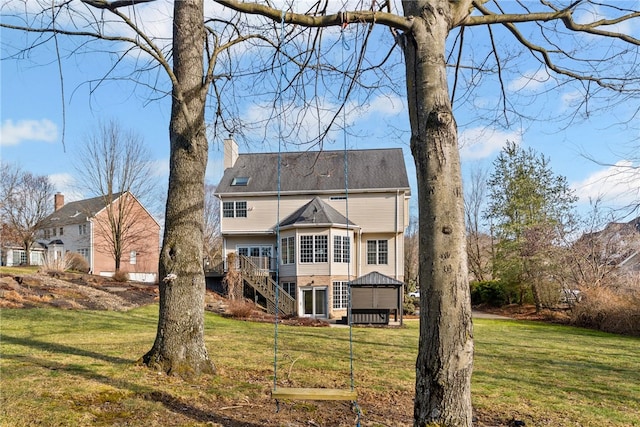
31	123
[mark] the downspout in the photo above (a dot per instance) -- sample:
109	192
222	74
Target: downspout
397	246
92	249
359	258
225	264
401	290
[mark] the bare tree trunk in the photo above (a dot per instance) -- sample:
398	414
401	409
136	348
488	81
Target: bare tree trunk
445	349
179	347
27	244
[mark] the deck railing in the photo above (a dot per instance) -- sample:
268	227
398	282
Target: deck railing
257	276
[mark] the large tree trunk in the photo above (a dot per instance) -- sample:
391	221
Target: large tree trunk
179	347
445	349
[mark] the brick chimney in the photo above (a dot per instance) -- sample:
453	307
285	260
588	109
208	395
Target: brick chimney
230	152
58	201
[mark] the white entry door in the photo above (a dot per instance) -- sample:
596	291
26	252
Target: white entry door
314	302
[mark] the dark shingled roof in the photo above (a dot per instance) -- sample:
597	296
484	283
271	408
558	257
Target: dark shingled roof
317	171
76	212
375	279
316	212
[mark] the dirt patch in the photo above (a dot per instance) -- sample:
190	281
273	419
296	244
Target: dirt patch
528	312
73	291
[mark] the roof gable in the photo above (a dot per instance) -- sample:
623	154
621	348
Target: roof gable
316	171
375	279
77	212
316	212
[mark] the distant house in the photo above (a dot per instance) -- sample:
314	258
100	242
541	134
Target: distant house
617	245
83	227
330	230
13	254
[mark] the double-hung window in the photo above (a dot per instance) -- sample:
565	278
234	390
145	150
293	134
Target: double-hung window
340	294
84	252
290	288
377	252
234	209
341	249
288	250
313	248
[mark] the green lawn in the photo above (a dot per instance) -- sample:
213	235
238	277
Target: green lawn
60	367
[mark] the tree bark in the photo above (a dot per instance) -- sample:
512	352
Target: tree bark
27	245
445	349
179	346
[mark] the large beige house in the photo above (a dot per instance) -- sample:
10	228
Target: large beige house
328	230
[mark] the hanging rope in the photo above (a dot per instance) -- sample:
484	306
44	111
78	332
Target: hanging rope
345	47
307	393
277	299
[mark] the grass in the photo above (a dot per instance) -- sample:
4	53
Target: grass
60	367
20	270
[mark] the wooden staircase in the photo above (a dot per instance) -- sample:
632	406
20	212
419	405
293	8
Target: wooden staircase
259	279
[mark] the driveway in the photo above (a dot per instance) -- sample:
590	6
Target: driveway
482	315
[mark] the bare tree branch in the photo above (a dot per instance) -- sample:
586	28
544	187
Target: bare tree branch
316	21
113	5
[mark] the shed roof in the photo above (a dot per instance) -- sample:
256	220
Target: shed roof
375	279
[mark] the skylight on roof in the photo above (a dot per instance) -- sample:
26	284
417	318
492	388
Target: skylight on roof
240	181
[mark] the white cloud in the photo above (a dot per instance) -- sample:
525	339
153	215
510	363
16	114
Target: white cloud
387	104
588	13
530	81
571	99
311	119
479	143
616	185
66	184
27	130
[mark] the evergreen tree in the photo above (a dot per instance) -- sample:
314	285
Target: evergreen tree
530	209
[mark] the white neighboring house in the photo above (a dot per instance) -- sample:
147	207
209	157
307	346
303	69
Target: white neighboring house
13	255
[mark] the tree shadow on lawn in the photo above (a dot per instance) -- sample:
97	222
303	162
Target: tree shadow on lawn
171	403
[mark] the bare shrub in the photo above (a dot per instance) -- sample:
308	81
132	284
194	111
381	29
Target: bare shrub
240	308
609	310
77	262
232	281
58	264
120	276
